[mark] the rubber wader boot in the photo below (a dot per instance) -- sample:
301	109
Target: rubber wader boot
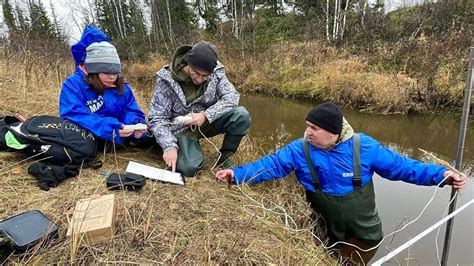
190	158
229	147
225	160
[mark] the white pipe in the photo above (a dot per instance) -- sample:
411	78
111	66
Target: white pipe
421	235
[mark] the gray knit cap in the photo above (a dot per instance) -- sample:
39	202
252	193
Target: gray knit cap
102	57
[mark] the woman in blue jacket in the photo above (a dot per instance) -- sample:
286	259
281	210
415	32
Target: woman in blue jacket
336	169
95	97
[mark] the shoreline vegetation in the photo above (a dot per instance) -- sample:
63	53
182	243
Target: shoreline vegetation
306	70
317	72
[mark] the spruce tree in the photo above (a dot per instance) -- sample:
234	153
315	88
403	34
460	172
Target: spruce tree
208	10
41	25
9	16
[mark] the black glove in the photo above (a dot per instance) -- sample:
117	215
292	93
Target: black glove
71	170
51	175
43	175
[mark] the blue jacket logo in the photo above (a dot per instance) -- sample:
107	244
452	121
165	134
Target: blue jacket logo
96	104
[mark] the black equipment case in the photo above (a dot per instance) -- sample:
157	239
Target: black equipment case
28	229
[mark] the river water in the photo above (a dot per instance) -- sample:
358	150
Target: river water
278	121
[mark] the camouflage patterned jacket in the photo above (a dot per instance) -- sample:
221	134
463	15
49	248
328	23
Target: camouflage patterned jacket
168	101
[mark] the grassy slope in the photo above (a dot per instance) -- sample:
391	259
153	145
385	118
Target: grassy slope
313	70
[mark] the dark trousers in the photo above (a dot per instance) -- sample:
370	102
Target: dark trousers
145	142
234	124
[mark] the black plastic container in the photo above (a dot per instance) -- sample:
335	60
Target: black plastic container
28	229
126	181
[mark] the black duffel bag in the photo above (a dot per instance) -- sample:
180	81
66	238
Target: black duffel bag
57	140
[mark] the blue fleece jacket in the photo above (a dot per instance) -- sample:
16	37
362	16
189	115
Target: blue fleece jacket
99	114
334	167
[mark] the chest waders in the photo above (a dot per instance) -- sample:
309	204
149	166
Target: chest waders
350	216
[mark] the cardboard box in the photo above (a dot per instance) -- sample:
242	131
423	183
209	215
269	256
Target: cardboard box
93	220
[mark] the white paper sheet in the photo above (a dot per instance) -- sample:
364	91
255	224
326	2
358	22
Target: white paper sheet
154	173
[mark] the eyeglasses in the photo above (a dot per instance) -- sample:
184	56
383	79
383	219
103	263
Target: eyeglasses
194	74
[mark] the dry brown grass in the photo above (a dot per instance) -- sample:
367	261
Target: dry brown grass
147	70
448	80
313	71
202	222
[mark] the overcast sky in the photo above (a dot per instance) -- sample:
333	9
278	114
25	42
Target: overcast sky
69	13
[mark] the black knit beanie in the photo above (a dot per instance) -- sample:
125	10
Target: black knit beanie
203	56
327	116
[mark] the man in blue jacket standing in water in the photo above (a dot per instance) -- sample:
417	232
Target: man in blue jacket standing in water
336	169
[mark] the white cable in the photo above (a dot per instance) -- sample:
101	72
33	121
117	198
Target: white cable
439	229
295	229
422	234
193	129
215	147
262	206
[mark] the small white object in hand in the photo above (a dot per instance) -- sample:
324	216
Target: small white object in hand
135	127
180	120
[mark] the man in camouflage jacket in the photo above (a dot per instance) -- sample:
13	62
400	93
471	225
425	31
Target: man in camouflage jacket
195	84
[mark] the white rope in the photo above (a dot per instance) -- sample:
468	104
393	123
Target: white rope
289	219
422	234
193	128
439	229
294	226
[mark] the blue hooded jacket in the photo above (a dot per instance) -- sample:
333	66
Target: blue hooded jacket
99	114
334	167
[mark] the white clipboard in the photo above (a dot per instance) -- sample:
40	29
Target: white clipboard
154	173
